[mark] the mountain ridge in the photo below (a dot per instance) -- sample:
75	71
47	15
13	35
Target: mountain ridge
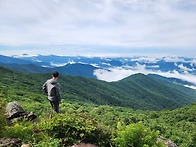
77	69
179	68
123	93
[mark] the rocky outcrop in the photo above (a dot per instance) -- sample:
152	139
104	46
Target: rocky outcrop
9	142
16	112
168	143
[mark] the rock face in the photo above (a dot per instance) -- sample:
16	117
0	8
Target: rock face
15	111
5	142
168	143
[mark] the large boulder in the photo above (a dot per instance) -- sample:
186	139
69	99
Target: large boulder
15	111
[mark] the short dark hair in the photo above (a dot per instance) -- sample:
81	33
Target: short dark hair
55	74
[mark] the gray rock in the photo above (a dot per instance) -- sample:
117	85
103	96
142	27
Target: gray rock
9	142
168	143
14	110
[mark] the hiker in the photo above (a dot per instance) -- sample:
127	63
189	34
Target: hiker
52	89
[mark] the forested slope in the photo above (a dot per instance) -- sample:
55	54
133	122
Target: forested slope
175	84
138	91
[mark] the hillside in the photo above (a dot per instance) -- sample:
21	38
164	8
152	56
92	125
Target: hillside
137	91
100	123
76	69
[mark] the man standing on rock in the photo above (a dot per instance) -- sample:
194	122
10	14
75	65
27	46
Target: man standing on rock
52	89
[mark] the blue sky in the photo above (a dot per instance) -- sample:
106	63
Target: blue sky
98	27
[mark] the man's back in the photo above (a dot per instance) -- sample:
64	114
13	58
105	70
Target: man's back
52	89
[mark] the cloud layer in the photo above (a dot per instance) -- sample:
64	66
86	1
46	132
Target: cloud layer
127	24
150	65
116	74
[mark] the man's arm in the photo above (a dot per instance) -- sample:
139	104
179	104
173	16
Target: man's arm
58	95
44	88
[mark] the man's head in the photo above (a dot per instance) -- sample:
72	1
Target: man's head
55	74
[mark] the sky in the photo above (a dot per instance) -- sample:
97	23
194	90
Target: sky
98	27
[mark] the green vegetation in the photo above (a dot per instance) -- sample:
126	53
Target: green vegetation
138	91
84	119
136	135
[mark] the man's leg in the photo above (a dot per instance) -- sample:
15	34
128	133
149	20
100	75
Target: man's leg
55	106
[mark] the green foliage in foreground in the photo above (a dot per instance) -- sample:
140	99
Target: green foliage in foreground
136	135
21	131
72	129
3	121
106	126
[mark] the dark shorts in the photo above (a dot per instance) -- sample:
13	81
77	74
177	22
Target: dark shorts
55	105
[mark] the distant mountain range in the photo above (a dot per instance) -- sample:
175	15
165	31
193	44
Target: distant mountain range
178	69
77	69
138	91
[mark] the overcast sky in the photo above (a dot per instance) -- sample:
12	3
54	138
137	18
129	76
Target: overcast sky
98	27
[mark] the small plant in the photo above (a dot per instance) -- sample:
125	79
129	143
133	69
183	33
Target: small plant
3	121
21	131
136	135
71	128
49	142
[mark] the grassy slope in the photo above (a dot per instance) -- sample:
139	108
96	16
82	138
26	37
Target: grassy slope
138	91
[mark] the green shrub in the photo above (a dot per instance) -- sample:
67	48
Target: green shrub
22	131
3	120
71	128
136	135
49	142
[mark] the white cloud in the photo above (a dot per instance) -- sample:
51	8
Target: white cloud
108	64
193	87
154	66
193	62
25	55
113	74
181	66
130	23
146	59
186	77
174	59
95	65
58	65
116	74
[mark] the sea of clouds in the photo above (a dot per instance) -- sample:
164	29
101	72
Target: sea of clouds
118	73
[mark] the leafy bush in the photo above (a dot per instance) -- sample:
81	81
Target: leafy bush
72	129
22	131
136	135
3	121
49	142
